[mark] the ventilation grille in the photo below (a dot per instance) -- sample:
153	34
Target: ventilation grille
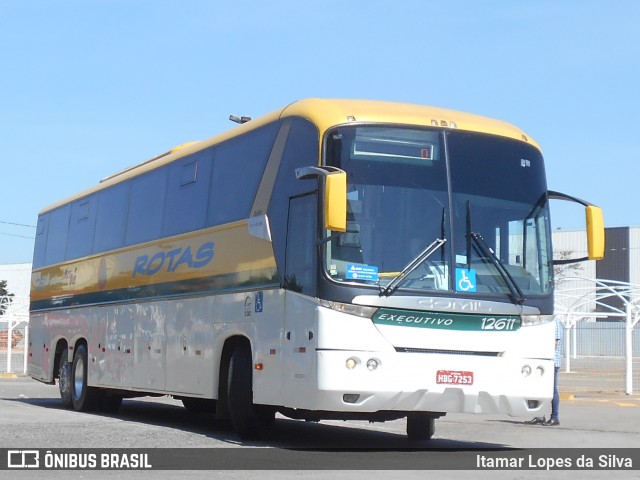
446	352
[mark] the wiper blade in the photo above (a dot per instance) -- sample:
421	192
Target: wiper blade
516	296
516	293
411	266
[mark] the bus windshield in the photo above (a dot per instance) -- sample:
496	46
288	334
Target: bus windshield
482	198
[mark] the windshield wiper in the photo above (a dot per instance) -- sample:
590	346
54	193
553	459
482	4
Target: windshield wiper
516	293
411	266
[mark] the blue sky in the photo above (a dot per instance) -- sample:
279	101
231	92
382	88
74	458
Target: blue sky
90	87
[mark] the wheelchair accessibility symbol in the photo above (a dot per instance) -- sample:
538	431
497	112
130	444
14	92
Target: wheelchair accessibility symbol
465	280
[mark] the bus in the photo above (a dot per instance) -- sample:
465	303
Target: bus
335	259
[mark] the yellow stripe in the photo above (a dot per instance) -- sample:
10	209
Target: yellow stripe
205	253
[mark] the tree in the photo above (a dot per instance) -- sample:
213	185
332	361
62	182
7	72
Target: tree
562	271
5	297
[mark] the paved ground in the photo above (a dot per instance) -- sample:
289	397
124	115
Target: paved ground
32	417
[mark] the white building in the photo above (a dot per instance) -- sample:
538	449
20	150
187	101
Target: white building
18	277
620	264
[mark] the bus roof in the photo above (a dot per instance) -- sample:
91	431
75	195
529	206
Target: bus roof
325	114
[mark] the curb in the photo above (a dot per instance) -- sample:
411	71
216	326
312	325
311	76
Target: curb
8	375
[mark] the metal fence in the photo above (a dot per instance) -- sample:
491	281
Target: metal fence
597	359
602	343
14	332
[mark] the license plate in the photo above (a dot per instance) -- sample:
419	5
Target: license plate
454	377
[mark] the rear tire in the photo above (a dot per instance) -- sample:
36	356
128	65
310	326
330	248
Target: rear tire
83	397
64	379
420	426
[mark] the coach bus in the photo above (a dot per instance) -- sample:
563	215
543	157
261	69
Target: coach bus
335	259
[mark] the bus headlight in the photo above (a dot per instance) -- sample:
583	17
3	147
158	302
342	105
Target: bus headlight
526	370
373	364
350	309
352	362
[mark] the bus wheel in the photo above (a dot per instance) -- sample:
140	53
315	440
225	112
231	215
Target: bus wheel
240	392
420	426
64	379
84	398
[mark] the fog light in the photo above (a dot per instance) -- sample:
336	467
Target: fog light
350	397
540	371
352	362
373	363
526	371
533	404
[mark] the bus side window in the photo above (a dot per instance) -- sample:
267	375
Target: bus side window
188	193
41	241
58	234
301	150
146	208
113	205
300	271
238	165
82	227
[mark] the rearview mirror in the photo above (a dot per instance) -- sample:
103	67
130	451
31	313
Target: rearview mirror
335	194
335	197
595	232
594	225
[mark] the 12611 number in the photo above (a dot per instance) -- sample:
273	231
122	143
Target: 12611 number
492	323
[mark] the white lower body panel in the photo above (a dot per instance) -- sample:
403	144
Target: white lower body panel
407	382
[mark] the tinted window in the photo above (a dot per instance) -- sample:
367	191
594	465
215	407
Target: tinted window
301	150
187	194
300	273
81	227
41	241
238	165
146	207
112	209
57	238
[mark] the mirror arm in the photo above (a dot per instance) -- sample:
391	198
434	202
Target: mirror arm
563	196
310	172
570	260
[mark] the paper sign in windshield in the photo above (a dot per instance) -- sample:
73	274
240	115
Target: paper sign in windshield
362	272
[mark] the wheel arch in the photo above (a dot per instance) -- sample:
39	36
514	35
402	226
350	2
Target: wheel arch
230	344
61	346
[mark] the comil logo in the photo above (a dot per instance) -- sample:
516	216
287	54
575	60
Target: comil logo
23	459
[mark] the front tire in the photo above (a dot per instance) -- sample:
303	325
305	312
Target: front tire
83	397
240	392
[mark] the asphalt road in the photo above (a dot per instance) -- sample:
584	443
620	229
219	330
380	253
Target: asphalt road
32	417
